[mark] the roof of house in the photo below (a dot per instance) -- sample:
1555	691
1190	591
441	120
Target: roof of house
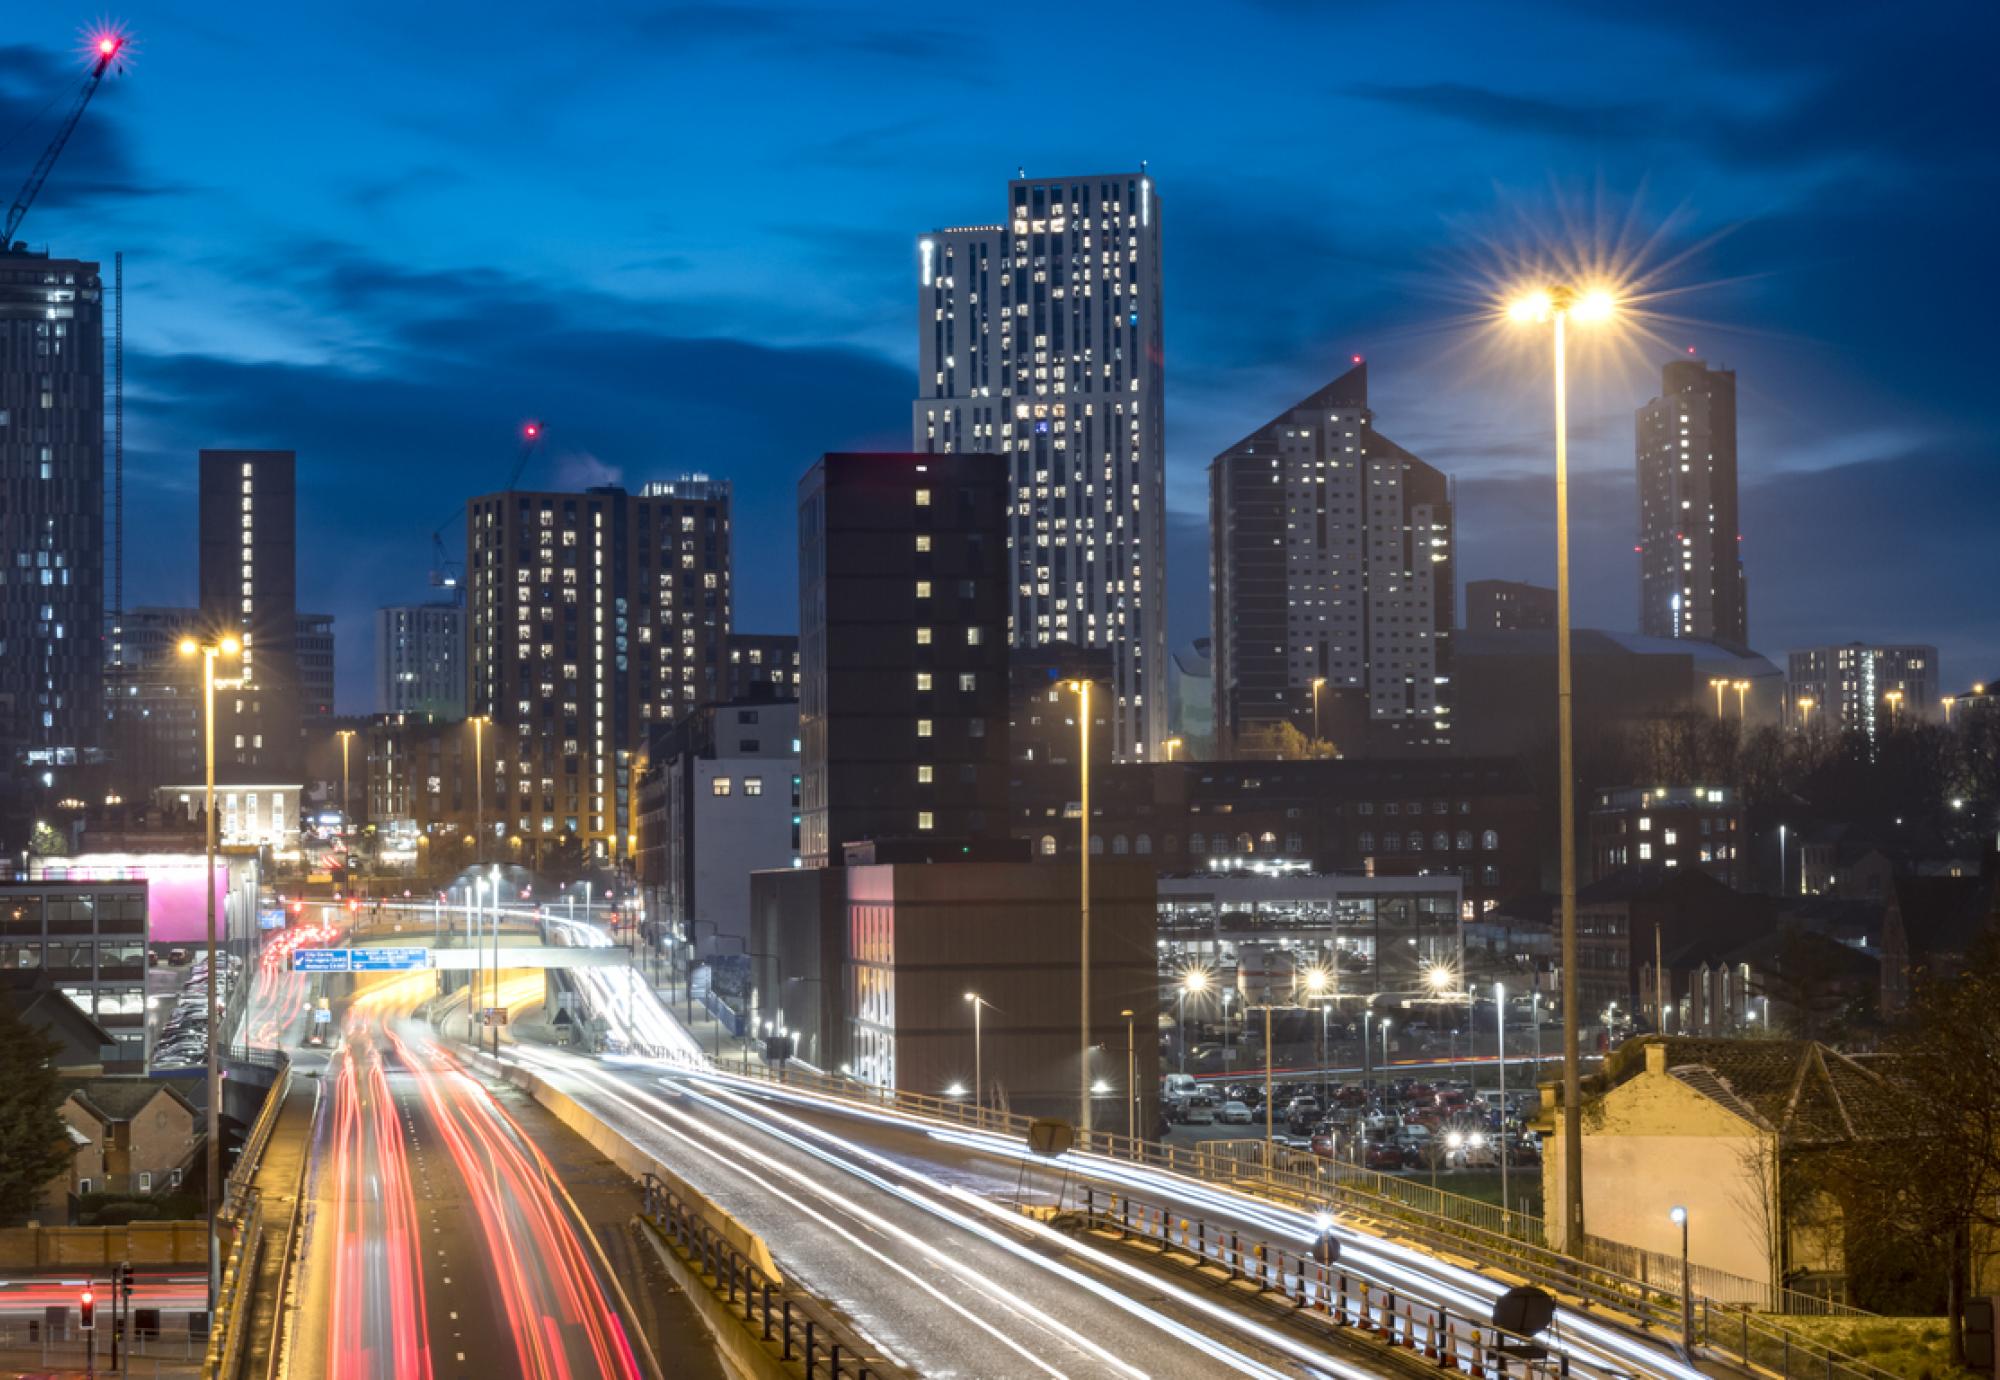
1807	1093
120	1099
39	1003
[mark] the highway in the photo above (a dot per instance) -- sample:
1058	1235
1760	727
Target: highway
438	1240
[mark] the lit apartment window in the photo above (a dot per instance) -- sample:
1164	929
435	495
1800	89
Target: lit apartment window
1645	824
753	785
923	728
719	786
923	498
926	774
1645	852
923	589
924	542
924	820
923	680
923	637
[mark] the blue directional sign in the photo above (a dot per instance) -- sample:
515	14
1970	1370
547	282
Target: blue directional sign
320	960
388	960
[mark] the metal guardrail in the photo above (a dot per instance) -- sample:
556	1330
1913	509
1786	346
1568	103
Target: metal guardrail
798	1326
258	1137
1312	1183
226	1339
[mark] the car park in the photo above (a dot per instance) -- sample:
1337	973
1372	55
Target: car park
1234	1113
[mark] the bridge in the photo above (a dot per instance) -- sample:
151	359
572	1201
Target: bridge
856	1230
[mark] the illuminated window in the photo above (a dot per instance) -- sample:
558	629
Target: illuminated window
926	774
923	680
924	542
753	785
923	498
923	728
923	589
719	786
924	820
923	637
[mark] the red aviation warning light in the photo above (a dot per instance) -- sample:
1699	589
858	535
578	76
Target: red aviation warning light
107	43
531	431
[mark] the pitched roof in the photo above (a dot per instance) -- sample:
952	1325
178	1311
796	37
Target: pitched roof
1347	390
1809	1094
120	1099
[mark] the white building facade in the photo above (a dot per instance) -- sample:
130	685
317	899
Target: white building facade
1041	339
420	661
1859	688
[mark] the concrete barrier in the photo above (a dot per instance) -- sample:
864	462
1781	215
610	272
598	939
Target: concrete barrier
613	1145
142	1243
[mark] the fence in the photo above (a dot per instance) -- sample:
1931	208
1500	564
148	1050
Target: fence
149	1353
801	1330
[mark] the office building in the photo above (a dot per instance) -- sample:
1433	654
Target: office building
87	939
313	646
593	617
903	597
1508	606
1694	828
1331	567
1690	543
51	506
763	665
1039	339
1861	688
719	799
420	661
249	588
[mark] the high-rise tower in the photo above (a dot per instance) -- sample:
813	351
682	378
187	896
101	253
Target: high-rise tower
1332	573
1040	339
51	505
1690	552
249	586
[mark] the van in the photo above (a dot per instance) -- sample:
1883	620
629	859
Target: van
1177	1087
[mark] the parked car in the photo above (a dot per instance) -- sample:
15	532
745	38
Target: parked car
1323	1140
1234	1113
1199	1110
1385	1156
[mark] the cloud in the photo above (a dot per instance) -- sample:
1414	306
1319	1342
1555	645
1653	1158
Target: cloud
98	165
1499	110
802	30
393	442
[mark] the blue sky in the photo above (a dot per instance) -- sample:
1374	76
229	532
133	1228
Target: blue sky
682	235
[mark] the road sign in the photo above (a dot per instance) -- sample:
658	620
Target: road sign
389	960
321	960
322	1016
1049	1136
493	1015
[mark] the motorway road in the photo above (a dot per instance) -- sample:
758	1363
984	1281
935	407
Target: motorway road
438	1241
933	1282
851	1201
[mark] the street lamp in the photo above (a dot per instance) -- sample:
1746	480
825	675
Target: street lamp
1082	689
1172	746
1194	980
479	722
1131	1079
208	652
346	736
1806	703
1318	682
1718	685
1741	687
1679	1217
1948	701
978	1056
1895	699
1500	1025
1557	306
1319	984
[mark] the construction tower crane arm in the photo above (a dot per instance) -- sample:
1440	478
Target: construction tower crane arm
107	49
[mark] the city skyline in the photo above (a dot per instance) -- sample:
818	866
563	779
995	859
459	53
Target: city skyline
350	311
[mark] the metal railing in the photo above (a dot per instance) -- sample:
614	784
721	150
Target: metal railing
258	1136
226	1338
798	1327
1313	1183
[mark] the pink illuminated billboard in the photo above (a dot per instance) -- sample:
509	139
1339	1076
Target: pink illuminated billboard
175	913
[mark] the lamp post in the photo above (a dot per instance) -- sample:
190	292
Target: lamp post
1718	685
1316	990
1948	701
208	652
1172	746
1082	689
1194	980
479	722
1557	306
978	1058
1895	699
1500	1025
1806	703
1783	876
1131	1080
1318	682
346	736
1742	688
1679	1217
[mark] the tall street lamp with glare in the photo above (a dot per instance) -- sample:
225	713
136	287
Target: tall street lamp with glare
1319	683
1742	688
1557	307
479	722
208	652
1679	1217
978	1056
1718	685
1194	980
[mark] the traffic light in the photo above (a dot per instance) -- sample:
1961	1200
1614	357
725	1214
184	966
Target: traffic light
87	1305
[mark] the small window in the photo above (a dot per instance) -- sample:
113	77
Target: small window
753	785
923	498
923	637
923	728
926	774
1048	845
975	636
923	680
923	589
719	786
83	1185
967	682
923	541
925	820
145	1181
1490	839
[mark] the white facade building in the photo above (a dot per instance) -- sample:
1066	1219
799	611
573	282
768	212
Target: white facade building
1857	688
420	661
1041	339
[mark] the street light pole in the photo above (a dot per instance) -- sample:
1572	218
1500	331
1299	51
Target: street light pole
978	1060
1318	681
346	736
1679	1217
1082	688
1500	1023
478	787
1131	1079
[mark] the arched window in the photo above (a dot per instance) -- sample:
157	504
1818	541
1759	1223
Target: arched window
1392	843
1096	845
1197	843
1294	844
1465	839
1367	842
1416	840
1119	847
1143	845
1169	844
1490	839
1245	844
1048	845
1441	840
1268	839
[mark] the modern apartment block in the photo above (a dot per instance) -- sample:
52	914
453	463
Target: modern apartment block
51	506
249	588
1331	551
420	660
903	595
593	616
1861	688
1508	606
763	664
1040	340
1690	543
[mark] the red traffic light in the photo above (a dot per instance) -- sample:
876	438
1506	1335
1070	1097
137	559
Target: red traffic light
87	1305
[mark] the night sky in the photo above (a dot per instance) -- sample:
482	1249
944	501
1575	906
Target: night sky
683	236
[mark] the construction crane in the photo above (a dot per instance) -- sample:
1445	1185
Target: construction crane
448	574
107	51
